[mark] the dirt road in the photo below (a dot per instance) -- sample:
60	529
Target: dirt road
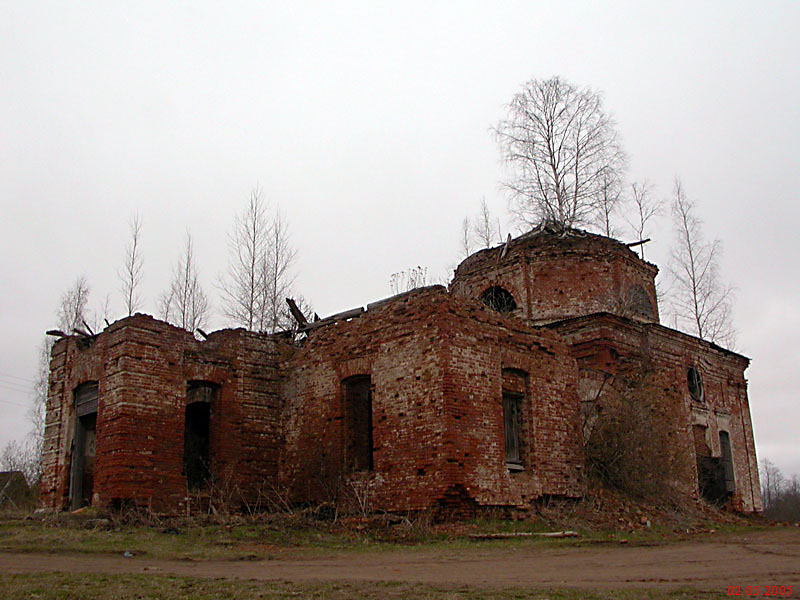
770	558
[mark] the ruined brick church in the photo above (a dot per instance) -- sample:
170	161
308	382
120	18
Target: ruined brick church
476	395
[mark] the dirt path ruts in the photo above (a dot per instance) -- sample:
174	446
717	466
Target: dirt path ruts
759	559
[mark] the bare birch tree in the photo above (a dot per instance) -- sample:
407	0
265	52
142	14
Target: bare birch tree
276	264
608	204
645	208
36	413
184	303
772	482
701	304
34	443
562	149
71	315
242	285
486	227
483	231
131	273
259	276
103	314
72	309
466	238
165	304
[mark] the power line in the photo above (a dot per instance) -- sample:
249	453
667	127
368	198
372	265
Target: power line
21	386
14	403
10	389
25	379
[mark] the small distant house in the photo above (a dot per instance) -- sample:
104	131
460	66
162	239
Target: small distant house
14	489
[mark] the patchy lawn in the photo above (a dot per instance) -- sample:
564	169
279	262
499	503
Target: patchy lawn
63	586
290	535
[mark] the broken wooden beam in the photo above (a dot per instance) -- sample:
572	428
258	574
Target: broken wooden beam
342	316
347	314
296	312
316	324
639	243
506	246
85	324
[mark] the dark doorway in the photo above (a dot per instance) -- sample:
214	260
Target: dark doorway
197	435
711	479
83	446
357	409
710	470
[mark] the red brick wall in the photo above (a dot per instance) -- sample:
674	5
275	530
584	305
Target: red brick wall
436	365
604	342
399	346
482	344
142	367
553	277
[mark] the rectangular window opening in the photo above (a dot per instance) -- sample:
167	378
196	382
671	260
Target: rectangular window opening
357	409
512	425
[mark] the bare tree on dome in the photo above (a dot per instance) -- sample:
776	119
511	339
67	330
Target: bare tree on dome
483	231
486	227
645	209
609	201
562	151
466	237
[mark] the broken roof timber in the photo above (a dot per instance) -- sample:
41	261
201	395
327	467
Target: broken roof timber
342	316
296	312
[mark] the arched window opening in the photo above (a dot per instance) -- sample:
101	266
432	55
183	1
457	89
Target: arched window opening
695	383
639	303
357	412
200	398
499	299
83	445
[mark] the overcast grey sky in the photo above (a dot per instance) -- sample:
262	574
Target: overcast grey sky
368	123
